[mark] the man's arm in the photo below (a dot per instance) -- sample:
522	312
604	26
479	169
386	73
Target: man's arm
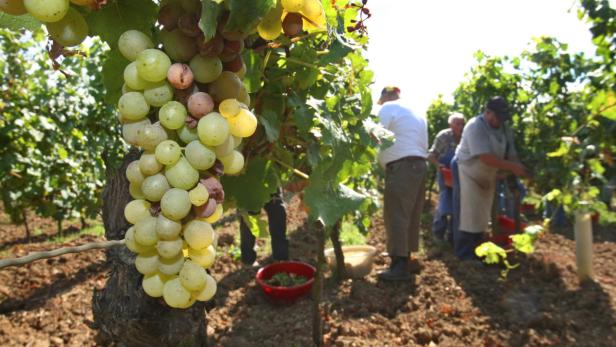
515	167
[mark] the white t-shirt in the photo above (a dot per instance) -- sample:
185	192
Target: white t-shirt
410	131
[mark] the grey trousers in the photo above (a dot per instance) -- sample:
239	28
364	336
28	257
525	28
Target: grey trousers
405	189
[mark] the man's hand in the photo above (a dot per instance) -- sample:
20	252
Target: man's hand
519	170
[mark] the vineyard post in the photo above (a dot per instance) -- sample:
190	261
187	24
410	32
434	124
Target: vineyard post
335	238
317	290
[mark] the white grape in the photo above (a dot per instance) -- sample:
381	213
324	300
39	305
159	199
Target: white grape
133	42
133	106
159	95
135	191
133	173
169	248
132	132
133	80
244	124
213	129
209	290
226	148
182	175
137	210
133	245
168	152
171	266
175	204
154	187
204	257
147	263
198	234
233	163
152	135
187	135
145	231
229	108
153	64
149	165
47	10
175	295
199	156
199	195
205	69
167	229
173	115
192	276
153	285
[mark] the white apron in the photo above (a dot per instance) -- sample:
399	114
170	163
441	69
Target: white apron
477	188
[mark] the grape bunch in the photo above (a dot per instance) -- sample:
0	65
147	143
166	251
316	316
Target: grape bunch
184	104
65	24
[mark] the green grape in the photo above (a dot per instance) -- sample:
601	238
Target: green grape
292	5
205	69
137	210
199	195
312	9
172	115
199	156
226	148
243	96
270	28
153	64
133	106
167	229
192	276
153	285
175	295
237	140
154	187
133	80
47	10
133	245
149	165
188	135
133	132
169	248
175	204
133	173
198	234
229	108
133	42
13	7
135	191
70	30
182	175
226	86
151	136
203	257
244	124
145	231
233	163
213	129
159	95
147	263
171	266
178	46
168	152
209	291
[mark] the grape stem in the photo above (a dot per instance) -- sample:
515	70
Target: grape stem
295	171
32	257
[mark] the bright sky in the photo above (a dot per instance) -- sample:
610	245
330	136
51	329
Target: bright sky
426	46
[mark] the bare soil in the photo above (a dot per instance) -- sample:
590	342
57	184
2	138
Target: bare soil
447	303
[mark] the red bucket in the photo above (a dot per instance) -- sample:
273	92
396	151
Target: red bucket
447	176
507	224
286	294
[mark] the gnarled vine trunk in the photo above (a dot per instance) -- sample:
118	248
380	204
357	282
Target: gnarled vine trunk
123	313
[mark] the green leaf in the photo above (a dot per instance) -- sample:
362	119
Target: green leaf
253	77
25	21
252	189
271	123
209	17
523	243
113	75
121	15
562	150
257	226
245	15
330	204
492	252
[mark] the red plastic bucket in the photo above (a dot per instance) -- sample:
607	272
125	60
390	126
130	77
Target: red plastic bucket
447	176
286	294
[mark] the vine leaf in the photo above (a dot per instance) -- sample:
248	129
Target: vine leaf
121	15
245	15
252	189
210	9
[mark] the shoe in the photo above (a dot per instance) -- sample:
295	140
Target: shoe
254	265
398	270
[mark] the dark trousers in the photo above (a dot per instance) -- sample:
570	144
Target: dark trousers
277	220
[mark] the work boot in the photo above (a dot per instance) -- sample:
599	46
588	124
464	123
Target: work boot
398	270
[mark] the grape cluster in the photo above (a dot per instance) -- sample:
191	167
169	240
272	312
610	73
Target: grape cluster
64	23
186	107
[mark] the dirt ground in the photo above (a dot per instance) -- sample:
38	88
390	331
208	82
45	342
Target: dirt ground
448	303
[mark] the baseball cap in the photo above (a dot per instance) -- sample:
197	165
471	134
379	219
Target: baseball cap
499	106
390	89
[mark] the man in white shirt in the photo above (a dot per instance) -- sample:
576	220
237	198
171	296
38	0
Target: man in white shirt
405	176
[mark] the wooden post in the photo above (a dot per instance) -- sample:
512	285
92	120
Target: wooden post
317	288
335	237
583	245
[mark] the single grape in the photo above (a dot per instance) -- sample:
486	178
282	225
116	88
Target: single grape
145	231
203	257
175	295
153	135
47	10
292	5
229	108
192	276
171	266
244	124
226	86
153	285
237	140
182	175
226	148
213	129
133	106
198	234
172	115
200	104
133	245
132	132
292	24
148	164
243	96
133	173
235	65
233	163
270	29
135	191
168	152
208	292
153	64
133	42
167	229
147	263
137	210
169	249
154	187
188	135
312	9
180	76
159	95
205	69
178	46
199	156
70	30
211	48
199	195
13	7
175	204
